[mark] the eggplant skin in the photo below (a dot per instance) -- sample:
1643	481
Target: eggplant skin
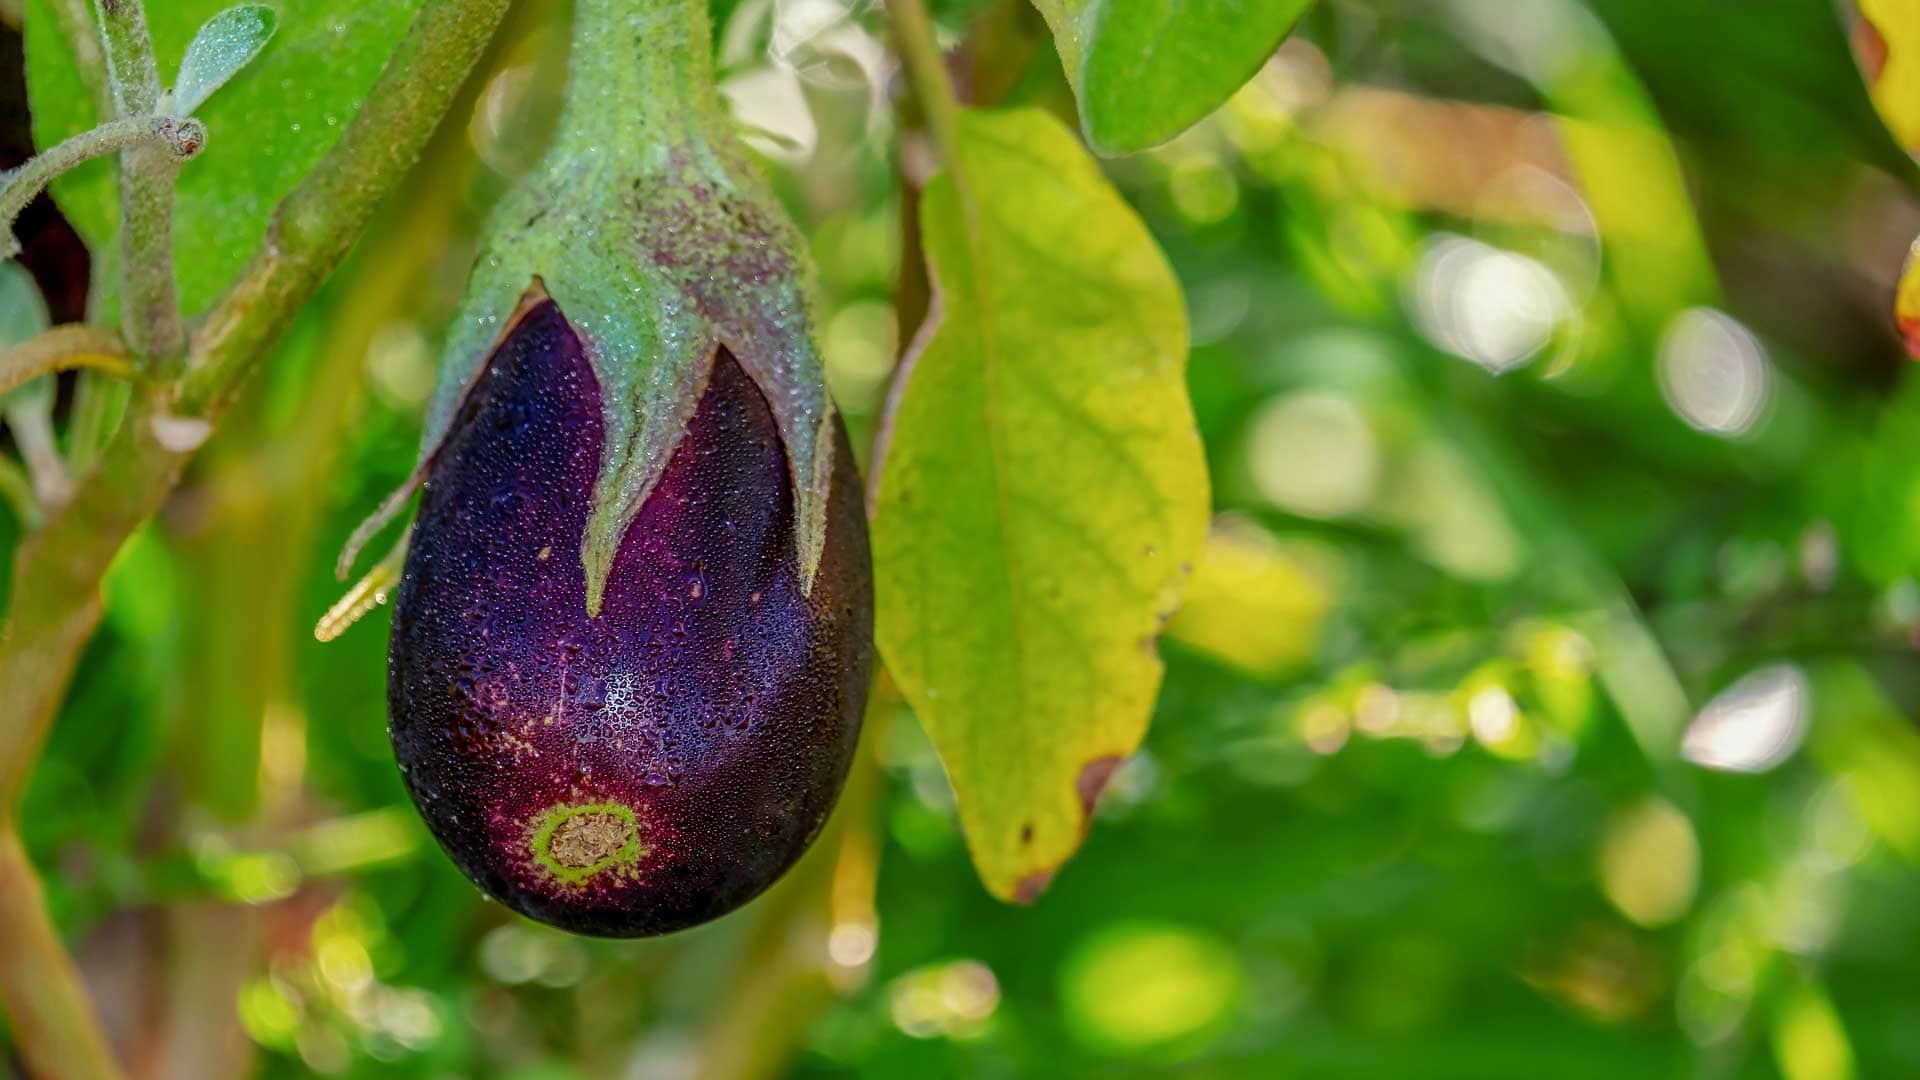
659	765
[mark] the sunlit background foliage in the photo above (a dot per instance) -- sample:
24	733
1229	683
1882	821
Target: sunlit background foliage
1541	708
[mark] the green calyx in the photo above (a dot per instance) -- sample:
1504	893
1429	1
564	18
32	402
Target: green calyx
658	241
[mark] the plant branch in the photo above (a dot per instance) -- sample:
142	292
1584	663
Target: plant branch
178	139
131	70
57	568
313	228
63	348
53	1021
928	69
149	307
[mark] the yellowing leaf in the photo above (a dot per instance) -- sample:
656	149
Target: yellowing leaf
1042	490
1252	604
1887	43
1906	302
1146	70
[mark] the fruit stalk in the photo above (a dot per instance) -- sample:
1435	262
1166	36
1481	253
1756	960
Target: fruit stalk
640	74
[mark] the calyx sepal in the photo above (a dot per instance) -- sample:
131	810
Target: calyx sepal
661	245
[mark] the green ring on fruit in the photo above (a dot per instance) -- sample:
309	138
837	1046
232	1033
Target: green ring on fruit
575	842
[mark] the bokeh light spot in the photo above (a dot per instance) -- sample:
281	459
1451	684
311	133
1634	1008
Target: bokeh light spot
1138	986
1650	863
1313	454
1753	725
1493	307
1713	372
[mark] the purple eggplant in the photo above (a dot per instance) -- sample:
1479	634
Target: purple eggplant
633	632
661	763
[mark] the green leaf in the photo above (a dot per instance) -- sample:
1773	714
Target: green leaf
22	311
276	120
1146	70
224	44
1042	493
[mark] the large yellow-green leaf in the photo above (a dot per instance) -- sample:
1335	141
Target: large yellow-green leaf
1041	492
1887	44
1146	70
265	128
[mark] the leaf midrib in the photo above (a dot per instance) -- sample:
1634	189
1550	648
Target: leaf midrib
970	219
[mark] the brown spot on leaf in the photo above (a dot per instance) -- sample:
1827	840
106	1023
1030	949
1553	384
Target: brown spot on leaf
1093	780
1026	833
1029	888
1871	49
1910	335
586	839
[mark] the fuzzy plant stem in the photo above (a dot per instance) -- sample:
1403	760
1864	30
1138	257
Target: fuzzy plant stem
63	348
149	307
174	139
58	567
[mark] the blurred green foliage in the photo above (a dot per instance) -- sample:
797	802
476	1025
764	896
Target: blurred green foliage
1544	704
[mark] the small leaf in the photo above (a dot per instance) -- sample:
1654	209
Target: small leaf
1042	494
22	312
28	409
223	45
275	120
1146	70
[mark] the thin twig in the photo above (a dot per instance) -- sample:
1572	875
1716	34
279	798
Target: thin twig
77	25
179	139
149	305
63	348
131	70
928	70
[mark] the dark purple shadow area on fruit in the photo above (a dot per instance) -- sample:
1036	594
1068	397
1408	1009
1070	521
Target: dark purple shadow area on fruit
710	696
